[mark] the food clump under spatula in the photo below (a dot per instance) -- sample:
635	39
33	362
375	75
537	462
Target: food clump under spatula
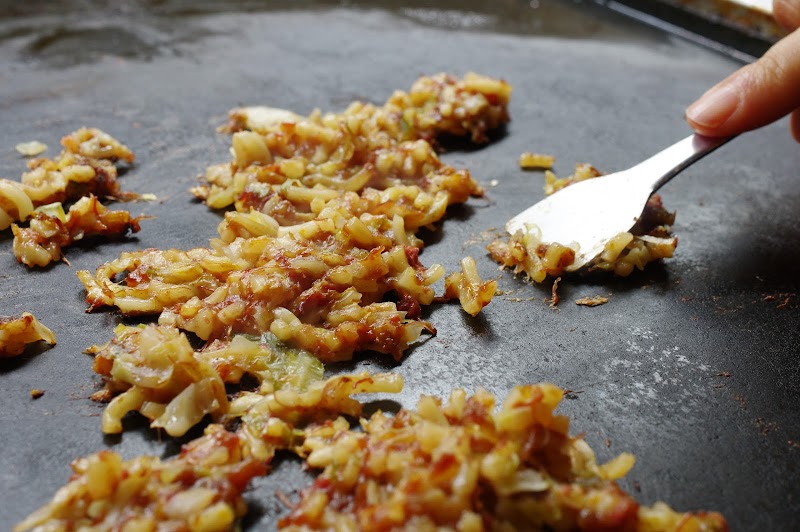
649	240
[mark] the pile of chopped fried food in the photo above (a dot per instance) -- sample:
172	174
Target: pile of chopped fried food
321	249
17	332
50	230
201	489
464	465
649	240
85	166
289	167
83	172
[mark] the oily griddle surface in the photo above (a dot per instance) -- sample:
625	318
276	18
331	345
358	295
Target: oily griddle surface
692	365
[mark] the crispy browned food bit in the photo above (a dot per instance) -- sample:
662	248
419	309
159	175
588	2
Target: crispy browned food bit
649	240
472	292
36	393
31	148
200	489
591	301
17	332
50	230
96	144
536	161
84	167
465	466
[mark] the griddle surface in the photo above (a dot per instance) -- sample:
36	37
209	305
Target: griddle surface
589	86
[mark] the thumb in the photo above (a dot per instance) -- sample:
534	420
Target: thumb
753	96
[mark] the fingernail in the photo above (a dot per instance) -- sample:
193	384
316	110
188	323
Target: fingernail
714	107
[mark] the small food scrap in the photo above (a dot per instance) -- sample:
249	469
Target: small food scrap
464	466
469	288
85	166
16	333
582	172
51	230
257	118
649	240
554	299
591	301
32	148
536	161
36	393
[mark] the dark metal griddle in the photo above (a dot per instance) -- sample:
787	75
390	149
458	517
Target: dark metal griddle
648	370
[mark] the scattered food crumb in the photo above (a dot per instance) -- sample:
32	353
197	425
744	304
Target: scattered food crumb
794	444
494	183
607	442
501	292
536	161
572	394
35	393
32	148
102	396
637	486
520	299
148	197
284	499
784	297
591	301
765	427
741	400
724	374
483	236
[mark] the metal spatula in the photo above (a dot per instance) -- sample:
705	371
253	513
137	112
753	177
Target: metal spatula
592	212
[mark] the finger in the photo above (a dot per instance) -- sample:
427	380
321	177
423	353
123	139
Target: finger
787	13
795	124
753	96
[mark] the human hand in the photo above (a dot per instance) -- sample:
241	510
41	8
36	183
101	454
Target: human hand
759	93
